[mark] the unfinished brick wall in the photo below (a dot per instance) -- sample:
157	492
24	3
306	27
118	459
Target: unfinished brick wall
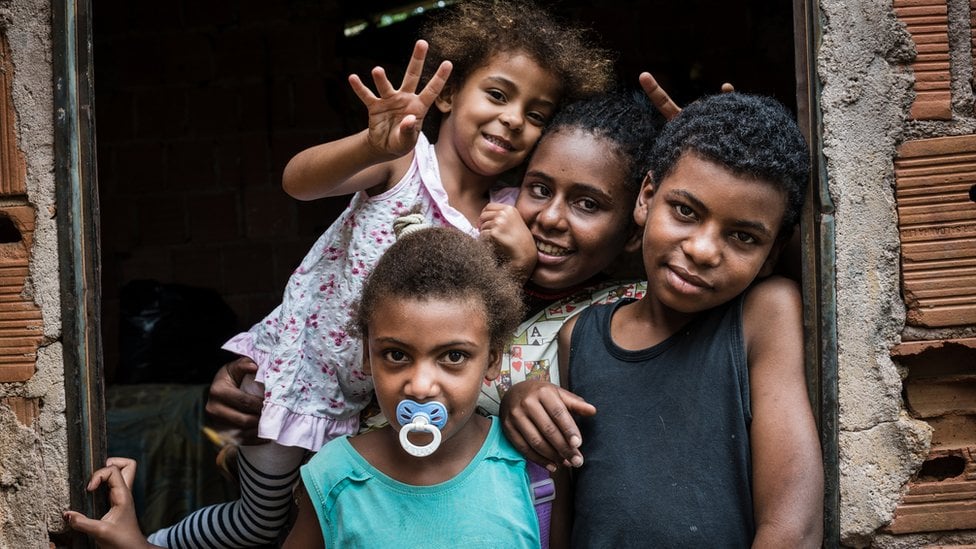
20	318
935	190
928	23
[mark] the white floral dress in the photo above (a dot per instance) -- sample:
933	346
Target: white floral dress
310	365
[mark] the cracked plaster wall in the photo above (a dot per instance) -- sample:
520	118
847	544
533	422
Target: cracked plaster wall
33	459
867	91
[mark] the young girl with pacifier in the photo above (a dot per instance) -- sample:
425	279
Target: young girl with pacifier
434	316
503	68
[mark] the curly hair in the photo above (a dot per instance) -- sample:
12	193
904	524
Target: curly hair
750	135
470	33
625	118
439	263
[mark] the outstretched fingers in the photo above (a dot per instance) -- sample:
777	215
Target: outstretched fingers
415	68
363	92
660	98
436	85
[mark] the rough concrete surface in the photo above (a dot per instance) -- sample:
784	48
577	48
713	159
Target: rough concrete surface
866	96
33	459
874	465
22	479
949	540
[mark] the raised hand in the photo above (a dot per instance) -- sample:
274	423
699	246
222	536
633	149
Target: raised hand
537	417
396	114
505	228
660	98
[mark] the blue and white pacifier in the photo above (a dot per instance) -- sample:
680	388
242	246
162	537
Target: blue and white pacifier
420	418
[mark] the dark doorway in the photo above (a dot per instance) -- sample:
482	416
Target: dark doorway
200	105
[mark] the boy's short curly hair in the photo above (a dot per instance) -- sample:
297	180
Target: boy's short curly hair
750	135
469	33
443	262
625	118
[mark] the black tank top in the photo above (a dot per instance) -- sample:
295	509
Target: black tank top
667	454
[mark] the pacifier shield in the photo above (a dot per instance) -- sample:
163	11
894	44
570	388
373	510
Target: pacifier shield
407	410
420	418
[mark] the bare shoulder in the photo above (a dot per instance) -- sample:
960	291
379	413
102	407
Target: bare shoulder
565	340
773	304
566	331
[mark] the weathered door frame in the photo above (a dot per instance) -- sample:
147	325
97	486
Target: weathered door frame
819	291
78	248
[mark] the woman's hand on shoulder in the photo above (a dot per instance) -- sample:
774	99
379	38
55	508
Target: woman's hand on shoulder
537	417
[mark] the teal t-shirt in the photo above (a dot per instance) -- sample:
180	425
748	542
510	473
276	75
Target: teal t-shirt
488	504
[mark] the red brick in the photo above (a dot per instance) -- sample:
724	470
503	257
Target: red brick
26	409
268	213
932	182
928	25
21	323
13	167
212	217
942	502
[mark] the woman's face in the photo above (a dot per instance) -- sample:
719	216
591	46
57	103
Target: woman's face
577	205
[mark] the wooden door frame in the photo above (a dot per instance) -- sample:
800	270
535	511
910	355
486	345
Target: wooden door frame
819	277
78	249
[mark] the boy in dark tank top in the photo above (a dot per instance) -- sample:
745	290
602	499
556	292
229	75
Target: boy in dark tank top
693	412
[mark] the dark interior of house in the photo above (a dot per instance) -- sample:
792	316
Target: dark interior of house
199	105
